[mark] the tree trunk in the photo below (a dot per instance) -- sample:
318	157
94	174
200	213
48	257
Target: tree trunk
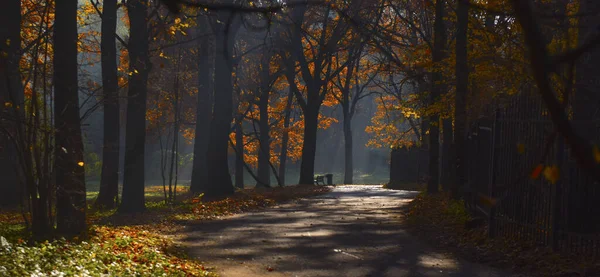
424	125
135	138
219	179
436	78
264	168
68	166
460	104
447	174
348	157
10	92
109	179
203	109
309	145
239	157
285	138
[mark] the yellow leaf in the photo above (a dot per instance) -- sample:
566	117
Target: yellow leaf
8	104
536	171
520	148
81	163
552	173
596	154
177	20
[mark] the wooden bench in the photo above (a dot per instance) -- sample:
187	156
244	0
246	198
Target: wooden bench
320	179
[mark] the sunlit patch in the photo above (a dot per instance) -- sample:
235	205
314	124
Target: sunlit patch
437	262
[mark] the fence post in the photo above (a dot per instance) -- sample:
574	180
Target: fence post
492	175
556	193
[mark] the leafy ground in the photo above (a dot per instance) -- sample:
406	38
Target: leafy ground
441	221
131	245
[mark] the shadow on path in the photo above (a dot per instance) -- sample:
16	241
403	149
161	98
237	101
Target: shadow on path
351	231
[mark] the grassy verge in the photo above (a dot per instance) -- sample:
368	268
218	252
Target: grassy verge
442	221
131	244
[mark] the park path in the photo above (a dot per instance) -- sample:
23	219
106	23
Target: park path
351	231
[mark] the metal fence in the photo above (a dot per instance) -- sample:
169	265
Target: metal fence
408	165
503	150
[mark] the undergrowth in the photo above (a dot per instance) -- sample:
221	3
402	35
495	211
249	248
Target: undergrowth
441	221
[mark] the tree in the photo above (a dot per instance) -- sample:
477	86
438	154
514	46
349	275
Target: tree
205	105
315	66
11	96
352	87
437	54
285	137
264	151
109	180
135	138
239	154
460	102
69	167
219	180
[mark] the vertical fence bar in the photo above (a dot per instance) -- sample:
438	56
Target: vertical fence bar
556	193
492	180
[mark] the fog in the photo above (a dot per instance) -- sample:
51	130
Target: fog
371	165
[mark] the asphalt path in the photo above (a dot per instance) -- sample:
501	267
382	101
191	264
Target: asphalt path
351	231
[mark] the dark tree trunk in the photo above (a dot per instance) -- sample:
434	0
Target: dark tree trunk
10	92
109	180
436	78
309	145
239	156
447	174
460	104
422	88
203	110
135	138
219	180
348	156
264	168
285	138
447	162
68	166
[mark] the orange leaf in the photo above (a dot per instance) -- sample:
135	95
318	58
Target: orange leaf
537	171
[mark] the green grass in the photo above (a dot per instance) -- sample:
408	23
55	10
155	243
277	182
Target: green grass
151	191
